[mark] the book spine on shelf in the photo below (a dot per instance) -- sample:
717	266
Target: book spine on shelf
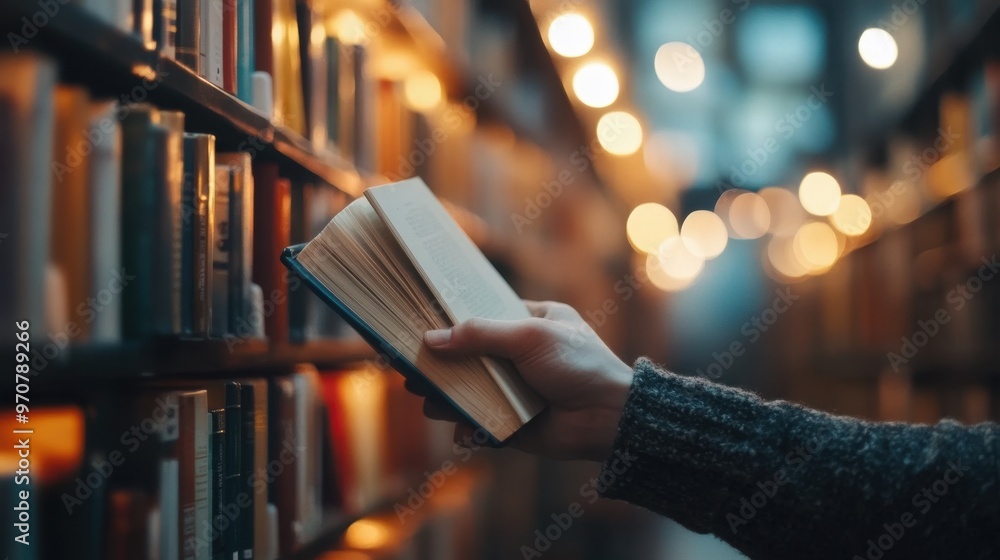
106	222
233	474
221	256
189	34
27	90
211	40
170	490
217	466
248	436
70	242
245	50
282	491
142	22
272	224
230	45
198	217
165	27
169	179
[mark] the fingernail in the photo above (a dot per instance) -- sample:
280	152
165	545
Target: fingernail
437	338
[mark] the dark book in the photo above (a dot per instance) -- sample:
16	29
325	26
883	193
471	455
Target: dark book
255	447
272	233
298	294
189	34
26	115
233	470
240	231
222	252
198	213
168	173
395	264
170	494
217	482
282	443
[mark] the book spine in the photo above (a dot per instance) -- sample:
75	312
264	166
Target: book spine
138	212
281	439
189	34
221	254
142	22
27	90
272	224
248	435
234	440
165	27
238	281
245	50
197	213
70	247
170	490
230	45
211	40
217	464
169	174
194	476
262	542
105	218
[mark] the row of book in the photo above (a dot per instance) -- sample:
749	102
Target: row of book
122	225
201	469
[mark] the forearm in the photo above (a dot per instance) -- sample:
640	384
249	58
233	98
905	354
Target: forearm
776	480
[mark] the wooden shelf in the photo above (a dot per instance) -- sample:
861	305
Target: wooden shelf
184	357
117	65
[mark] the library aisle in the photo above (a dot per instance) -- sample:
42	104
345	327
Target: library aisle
798	198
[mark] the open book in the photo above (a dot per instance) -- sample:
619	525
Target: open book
394	264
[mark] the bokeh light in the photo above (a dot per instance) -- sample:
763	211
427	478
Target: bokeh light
422	91
878	48
649	226
749	216
787	215
571	35
853	217
679	261
619	133
659	277
781	257
704	234
819	194
367	534
596	84
816	247
349	28
679	67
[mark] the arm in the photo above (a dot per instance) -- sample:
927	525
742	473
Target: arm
776	480
773	479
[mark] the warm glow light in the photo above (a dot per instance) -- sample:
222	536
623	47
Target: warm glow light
679	67
367	534
704	234
678	261
906	203
619	133
749	216
816	247
878	48
781	257
787	214
853	217
649	225
662	280
571	35
723	205
819	194
596	84
422	91
349	28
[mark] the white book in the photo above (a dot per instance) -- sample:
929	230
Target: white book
211	41
105	178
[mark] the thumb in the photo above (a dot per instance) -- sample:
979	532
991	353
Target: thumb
505	339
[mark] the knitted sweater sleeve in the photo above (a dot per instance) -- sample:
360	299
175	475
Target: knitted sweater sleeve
776	480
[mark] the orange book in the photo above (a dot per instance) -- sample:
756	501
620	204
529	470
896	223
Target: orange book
229	46
272	233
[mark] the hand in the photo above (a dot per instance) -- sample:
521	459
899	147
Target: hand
563	359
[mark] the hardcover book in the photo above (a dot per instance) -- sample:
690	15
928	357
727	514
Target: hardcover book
394	264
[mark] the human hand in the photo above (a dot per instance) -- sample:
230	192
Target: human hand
563	359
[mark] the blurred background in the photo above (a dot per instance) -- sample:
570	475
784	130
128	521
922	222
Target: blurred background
798	198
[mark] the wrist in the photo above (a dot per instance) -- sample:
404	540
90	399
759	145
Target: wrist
607	413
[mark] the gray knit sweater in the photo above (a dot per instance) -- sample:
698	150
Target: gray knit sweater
776	480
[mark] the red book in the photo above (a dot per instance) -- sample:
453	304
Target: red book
272	233
229	46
